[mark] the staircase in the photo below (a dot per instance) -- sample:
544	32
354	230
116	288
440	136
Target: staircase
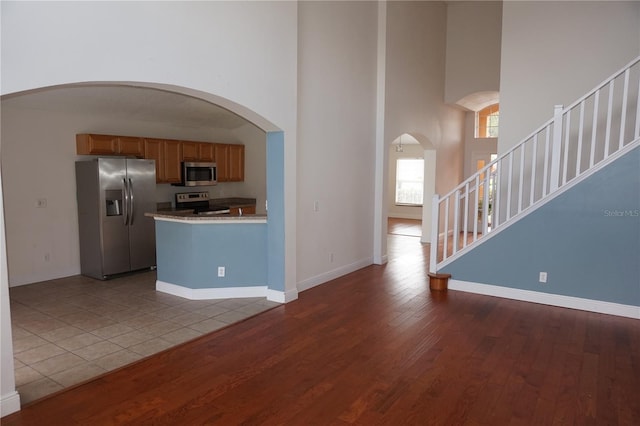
579	140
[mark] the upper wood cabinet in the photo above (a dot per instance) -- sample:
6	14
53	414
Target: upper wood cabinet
236	163
131	146
172	160
96	144
197	151
90	144
190	151
167	154
230	162
206	152
222	161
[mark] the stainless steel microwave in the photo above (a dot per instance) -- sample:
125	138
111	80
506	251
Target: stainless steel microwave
199	174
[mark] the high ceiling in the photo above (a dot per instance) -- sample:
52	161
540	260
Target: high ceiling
125	102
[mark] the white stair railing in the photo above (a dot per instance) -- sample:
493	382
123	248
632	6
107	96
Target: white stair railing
577	139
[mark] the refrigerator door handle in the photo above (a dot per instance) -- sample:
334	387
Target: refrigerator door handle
131	211
125	203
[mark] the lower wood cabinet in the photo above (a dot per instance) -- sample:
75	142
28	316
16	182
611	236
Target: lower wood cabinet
245	210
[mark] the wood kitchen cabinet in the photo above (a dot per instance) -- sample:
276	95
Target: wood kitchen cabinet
235	211
91	144
230	162
206	152
190	151
167	154
133	146
197	151
87	144
236	163
222	161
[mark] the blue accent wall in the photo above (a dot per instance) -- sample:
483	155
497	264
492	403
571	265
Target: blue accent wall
189	254
587	240
276	216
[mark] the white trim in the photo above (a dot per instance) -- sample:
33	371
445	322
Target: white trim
212	221
590	305
211	293
383	260
282	296
226	292
9	404
333	274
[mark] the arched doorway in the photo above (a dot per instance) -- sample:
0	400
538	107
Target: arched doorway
273	137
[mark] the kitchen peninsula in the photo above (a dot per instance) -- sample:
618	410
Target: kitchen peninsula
211	257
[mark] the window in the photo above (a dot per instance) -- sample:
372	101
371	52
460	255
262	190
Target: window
409	181
487	120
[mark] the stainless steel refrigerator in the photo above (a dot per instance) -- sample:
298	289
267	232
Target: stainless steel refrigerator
113	196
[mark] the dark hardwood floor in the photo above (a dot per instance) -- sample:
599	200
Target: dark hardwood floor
377	347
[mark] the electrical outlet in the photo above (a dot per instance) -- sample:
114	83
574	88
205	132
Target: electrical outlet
47	257
221	271
316	206
331	257
543	277
41	203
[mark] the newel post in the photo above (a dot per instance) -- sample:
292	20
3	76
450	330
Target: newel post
435	231
556	148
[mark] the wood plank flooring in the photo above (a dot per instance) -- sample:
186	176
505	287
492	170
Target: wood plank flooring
377	347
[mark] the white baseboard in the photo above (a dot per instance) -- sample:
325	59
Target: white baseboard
211	293
406	215
333	274
589	305
282	296
226	292
9	404
382	260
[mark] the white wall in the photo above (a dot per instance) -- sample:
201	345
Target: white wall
44	141
555	52
336	134
474	31
416	47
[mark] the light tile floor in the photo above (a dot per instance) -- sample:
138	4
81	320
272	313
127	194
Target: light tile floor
69	330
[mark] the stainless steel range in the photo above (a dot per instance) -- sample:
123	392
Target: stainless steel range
199	202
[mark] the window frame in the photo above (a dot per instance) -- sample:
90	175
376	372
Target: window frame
408	204
482	118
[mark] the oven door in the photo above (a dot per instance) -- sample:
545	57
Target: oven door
199	174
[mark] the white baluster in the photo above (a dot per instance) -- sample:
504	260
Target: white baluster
623	119
594	128
534	163
565	162
609	118
556	147
580	134
435	233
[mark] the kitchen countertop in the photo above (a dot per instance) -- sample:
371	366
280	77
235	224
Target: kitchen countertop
188	216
